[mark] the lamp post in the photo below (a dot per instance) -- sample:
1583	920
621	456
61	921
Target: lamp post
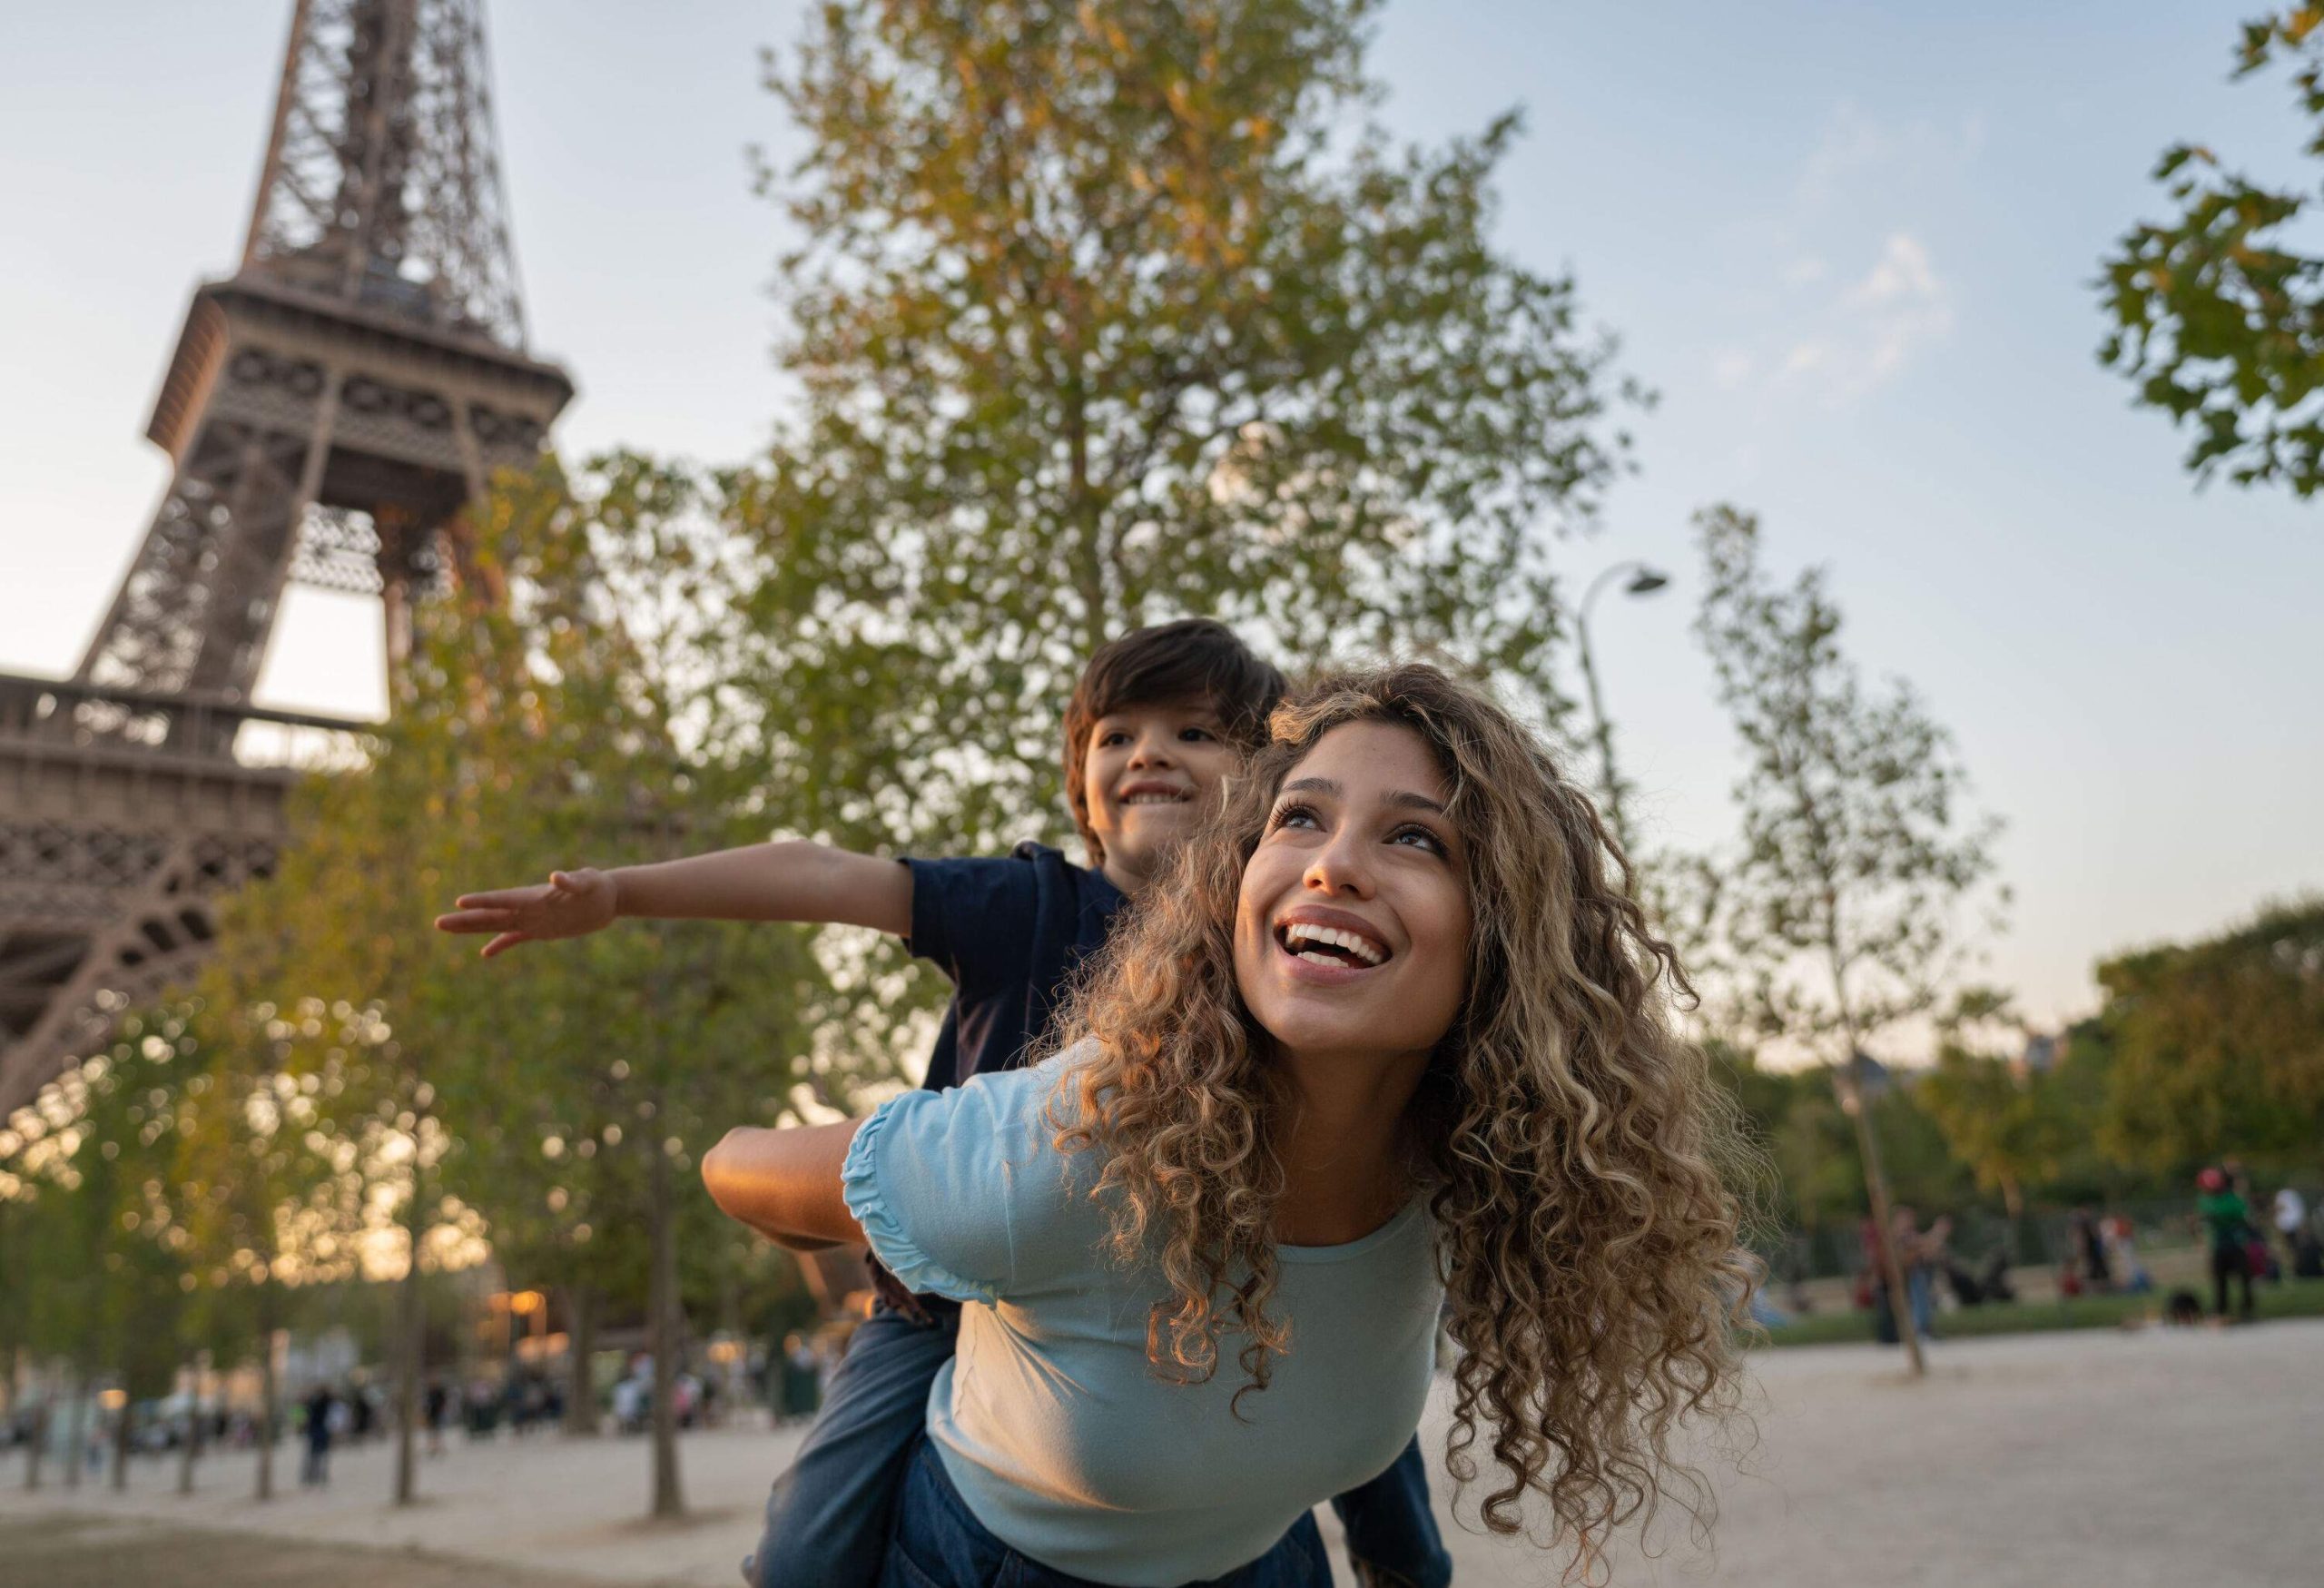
1643	581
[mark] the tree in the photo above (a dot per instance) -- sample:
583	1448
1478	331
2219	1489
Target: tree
1836	919
102	1264
2217	1047
2005	1122
2217	315
275	1153
1100	318
560	1094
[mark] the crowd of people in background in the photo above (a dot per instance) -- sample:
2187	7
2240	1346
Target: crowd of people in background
321	1416
2245	1238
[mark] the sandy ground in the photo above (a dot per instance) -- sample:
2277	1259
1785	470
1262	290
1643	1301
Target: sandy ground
2130	1460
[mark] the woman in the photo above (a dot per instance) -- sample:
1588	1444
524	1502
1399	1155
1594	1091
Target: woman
1393	1034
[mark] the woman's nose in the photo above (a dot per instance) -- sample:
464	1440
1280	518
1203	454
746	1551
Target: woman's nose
1339	869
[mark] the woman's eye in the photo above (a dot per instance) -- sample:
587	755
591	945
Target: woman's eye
1428	840
1294	817
1195	733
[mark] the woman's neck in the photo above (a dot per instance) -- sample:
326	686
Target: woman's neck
1343	1175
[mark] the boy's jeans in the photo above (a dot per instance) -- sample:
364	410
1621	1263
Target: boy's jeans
828	1519
939	1543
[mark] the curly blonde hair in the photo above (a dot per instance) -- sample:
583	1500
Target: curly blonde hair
1569	1142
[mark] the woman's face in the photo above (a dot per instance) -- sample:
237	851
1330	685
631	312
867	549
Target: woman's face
1351	932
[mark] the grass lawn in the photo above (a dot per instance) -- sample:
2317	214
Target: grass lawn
2291	1298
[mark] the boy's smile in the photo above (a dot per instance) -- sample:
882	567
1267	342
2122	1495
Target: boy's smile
1150	775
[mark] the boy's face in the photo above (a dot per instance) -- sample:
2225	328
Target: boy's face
1150	775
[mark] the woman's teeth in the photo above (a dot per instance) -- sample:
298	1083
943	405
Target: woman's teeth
1298	936
1155	799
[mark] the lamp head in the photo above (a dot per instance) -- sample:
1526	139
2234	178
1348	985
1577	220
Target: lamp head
1645	582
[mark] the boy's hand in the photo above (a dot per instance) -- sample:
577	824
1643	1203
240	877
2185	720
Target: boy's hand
569	904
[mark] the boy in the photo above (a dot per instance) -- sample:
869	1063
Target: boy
1159	718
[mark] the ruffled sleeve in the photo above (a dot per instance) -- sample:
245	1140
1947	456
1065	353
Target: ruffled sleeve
895	1193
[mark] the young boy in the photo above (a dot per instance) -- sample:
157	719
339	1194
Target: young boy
1159	718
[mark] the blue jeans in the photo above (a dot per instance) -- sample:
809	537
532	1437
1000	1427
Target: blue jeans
939	1543
1922	1294
828	1519
1392	1537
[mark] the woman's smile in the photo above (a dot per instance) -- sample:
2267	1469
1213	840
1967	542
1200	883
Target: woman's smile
1353	928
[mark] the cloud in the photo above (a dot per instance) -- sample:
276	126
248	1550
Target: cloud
1863	335
1842	292
1902	273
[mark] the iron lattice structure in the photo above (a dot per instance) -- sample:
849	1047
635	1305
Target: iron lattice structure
332	409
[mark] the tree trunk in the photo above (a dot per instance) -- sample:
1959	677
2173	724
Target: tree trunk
38	1447
190	1448
77	1436
410	1345
581	1398
1875	1181
266	1389
121	1440
662	1335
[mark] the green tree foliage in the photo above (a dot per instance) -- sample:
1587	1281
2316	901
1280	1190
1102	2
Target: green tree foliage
1108	314
561	1095
2006	1127
276	1150
1839	914
2008	1124
2217	1047
2218	315
101	1259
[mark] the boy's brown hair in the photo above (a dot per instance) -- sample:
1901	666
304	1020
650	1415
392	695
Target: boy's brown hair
1192	659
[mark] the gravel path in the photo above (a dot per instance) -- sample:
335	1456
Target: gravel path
2130	1460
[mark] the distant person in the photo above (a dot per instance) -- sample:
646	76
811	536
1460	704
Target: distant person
1871	1285
800	1379
2226	1219
1913	1257
438	1402
2122	1249
2291	1223
315	1472
2090	1252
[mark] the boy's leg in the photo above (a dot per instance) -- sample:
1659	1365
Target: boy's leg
1392	1537
827	1520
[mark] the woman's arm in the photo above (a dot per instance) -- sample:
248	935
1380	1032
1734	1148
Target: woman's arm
784	1183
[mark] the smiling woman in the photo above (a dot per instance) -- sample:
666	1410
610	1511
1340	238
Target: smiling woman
1390	1033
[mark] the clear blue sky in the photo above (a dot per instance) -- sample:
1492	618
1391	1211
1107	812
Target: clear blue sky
1851	245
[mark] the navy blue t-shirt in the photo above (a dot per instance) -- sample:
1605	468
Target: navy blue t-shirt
1010	933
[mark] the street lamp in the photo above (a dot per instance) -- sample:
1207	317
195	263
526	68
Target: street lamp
1643	581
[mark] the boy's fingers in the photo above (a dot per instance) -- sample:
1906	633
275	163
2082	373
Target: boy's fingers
498	899
475	920
504	943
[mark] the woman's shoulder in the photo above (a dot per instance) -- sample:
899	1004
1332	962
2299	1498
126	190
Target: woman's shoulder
1024	1092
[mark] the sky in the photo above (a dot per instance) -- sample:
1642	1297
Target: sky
1851	246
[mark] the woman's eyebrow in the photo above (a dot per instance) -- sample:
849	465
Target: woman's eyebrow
1401	799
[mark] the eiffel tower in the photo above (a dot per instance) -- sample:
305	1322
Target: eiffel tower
332	410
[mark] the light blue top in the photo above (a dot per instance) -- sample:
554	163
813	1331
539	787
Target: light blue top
1050	1422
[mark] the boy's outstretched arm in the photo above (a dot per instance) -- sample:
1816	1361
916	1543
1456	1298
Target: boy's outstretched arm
785	1183
794	879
